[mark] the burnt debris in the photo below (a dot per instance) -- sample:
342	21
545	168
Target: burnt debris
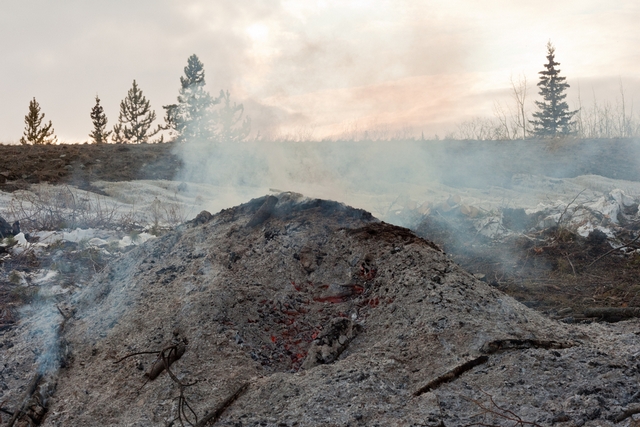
316	314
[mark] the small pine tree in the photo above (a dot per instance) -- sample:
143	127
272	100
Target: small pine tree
99	119
34	131
553	117
232	128
191	118
135	119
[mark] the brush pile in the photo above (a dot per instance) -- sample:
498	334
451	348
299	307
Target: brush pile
287	311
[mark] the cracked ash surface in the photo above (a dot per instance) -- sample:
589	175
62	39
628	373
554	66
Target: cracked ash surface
332	318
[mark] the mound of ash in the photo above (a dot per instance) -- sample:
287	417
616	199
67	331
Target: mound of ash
287	311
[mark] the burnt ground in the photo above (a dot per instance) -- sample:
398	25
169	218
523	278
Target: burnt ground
287	311
552	271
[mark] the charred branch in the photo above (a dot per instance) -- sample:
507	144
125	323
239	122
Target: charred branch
613	314
516	344
613	250
214	415
166	359
451	375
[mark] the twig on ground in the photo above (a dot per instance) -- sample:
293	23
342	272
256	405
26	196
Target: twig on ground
570	263
613	250
494	409
214	415
165	358
567	207
451	374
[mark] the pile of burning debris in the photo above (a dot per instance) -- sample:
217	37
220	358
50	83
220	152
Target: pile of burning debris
291	311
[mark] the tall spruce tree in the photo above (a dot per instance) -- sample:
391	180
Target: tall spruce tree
553	117
34	131
192	118
99	119
135	119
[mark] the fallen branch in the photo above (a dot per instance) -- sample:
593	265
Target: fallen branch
613	250
612	314
518	344
171	353
214	415
165	358
451	374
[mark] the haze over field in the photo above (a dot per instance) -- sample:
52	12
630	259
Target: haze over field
310	69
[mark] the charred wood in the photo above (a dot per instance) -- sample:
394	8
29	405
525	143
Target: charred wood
613	314
214	415
517	344
451	374
631	410
174	353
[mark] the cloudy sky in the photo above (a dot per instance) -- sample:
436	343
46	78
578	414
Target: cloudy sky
310	68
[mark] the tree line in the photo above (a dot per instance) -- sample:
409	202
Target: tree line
197	116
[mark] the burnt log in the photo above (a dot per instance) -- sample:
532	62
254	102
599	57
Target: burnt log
165	360
613	314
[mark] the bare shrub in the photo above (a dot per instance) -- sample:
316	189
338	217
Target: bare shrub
56	208
175	213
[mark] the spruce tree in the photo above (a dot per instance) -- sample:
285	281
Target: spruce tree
232	127
191	118
553	117
34	131
99	119
135	119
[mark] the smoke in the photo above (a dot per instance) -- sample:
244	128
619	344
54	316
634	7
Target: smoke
334	170
43	323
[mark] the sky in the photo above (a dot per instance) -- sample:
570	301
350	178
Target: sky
311	69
